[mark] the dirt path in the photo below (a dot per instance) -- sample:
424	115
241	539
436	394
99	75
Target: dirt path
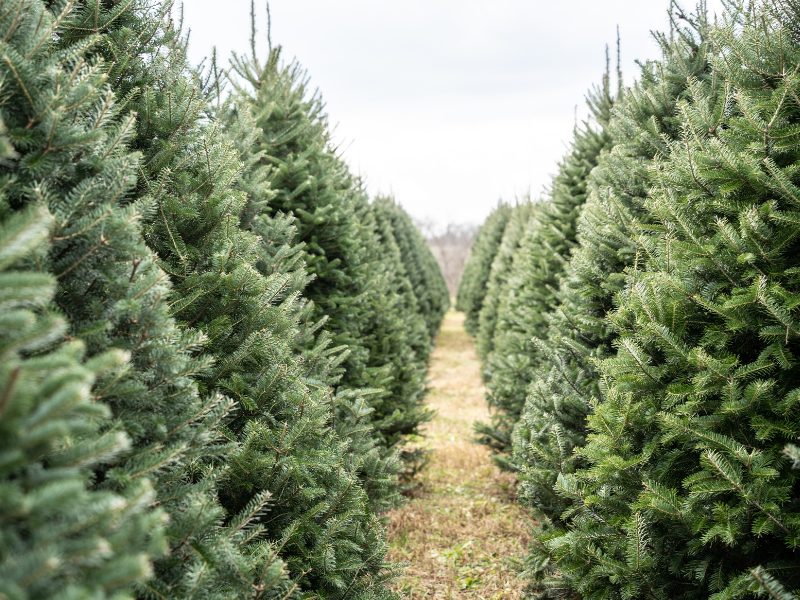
461	524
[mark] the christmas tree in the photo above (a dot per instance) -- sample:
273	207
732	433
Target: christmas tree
320	362
497	288
284	455
686	492
352	289
401	412
421	267
58	536
553	422
71	138
474	279
533	279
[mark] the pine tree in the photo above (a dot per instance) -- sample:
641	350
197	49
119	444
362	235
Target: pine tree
383	212
352	289
401	413
58	536
533	279
762	582
687	493
279	254
474	279
309	182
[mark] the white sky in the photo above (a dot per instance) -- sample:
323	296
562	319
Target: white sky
448	104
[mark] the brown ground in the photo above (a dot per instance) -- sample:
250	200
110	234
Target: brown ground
461	525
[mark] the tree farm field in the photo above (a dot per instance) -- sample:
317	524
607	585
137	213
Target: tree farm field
461	524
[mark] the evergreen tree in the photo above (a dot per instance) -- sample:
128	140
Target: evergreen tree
397	335
412	346
58	537
320	361
352	289
284	454
71	138
687	493
421	266
497	286
309	182
474	279
382	211
553	422
533	280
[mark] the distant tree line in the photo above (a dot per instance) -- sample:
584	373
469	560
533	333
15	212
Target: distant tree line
450	244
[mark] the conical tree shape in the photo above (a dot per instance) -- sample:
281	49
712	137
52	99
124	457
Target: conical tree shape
286	458
383	211
321	362
475	278
421	266
553	422
499	276
398	335
71	137
352	290
534	276
406	411
311	183
690	491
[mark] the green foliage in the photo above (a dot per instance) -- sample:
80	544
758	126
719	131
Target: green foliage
71	139
309	182
421	266
475	278
58	537
403	411
320	364
531	287
553	422
356	290
177	421
287	481
497	288
683	490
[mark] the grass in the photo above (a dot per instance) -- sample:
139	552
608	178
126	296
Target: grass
461	525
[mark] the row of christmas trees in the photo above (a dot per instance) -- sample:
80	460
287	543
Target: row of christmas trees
640	326
212	346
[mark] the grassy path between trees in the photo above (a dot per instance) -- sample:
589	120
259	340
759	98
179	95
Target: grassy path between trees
461	524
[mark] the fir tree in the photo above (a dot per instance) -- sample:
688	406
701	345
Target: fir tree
309	182
687	493
285	452
71	138
421	267
351	290
412	349
531	291
553	423
474	279
383	212
321	362
58	537
497	285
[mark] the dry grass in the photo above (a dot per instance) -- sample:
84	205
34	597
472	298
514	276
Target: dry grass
461	524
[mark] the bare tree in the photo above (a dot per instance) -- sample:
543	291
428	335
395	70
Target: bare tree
450	244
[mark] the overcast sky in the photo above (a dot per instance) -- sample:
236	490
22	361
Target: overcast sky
449	105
